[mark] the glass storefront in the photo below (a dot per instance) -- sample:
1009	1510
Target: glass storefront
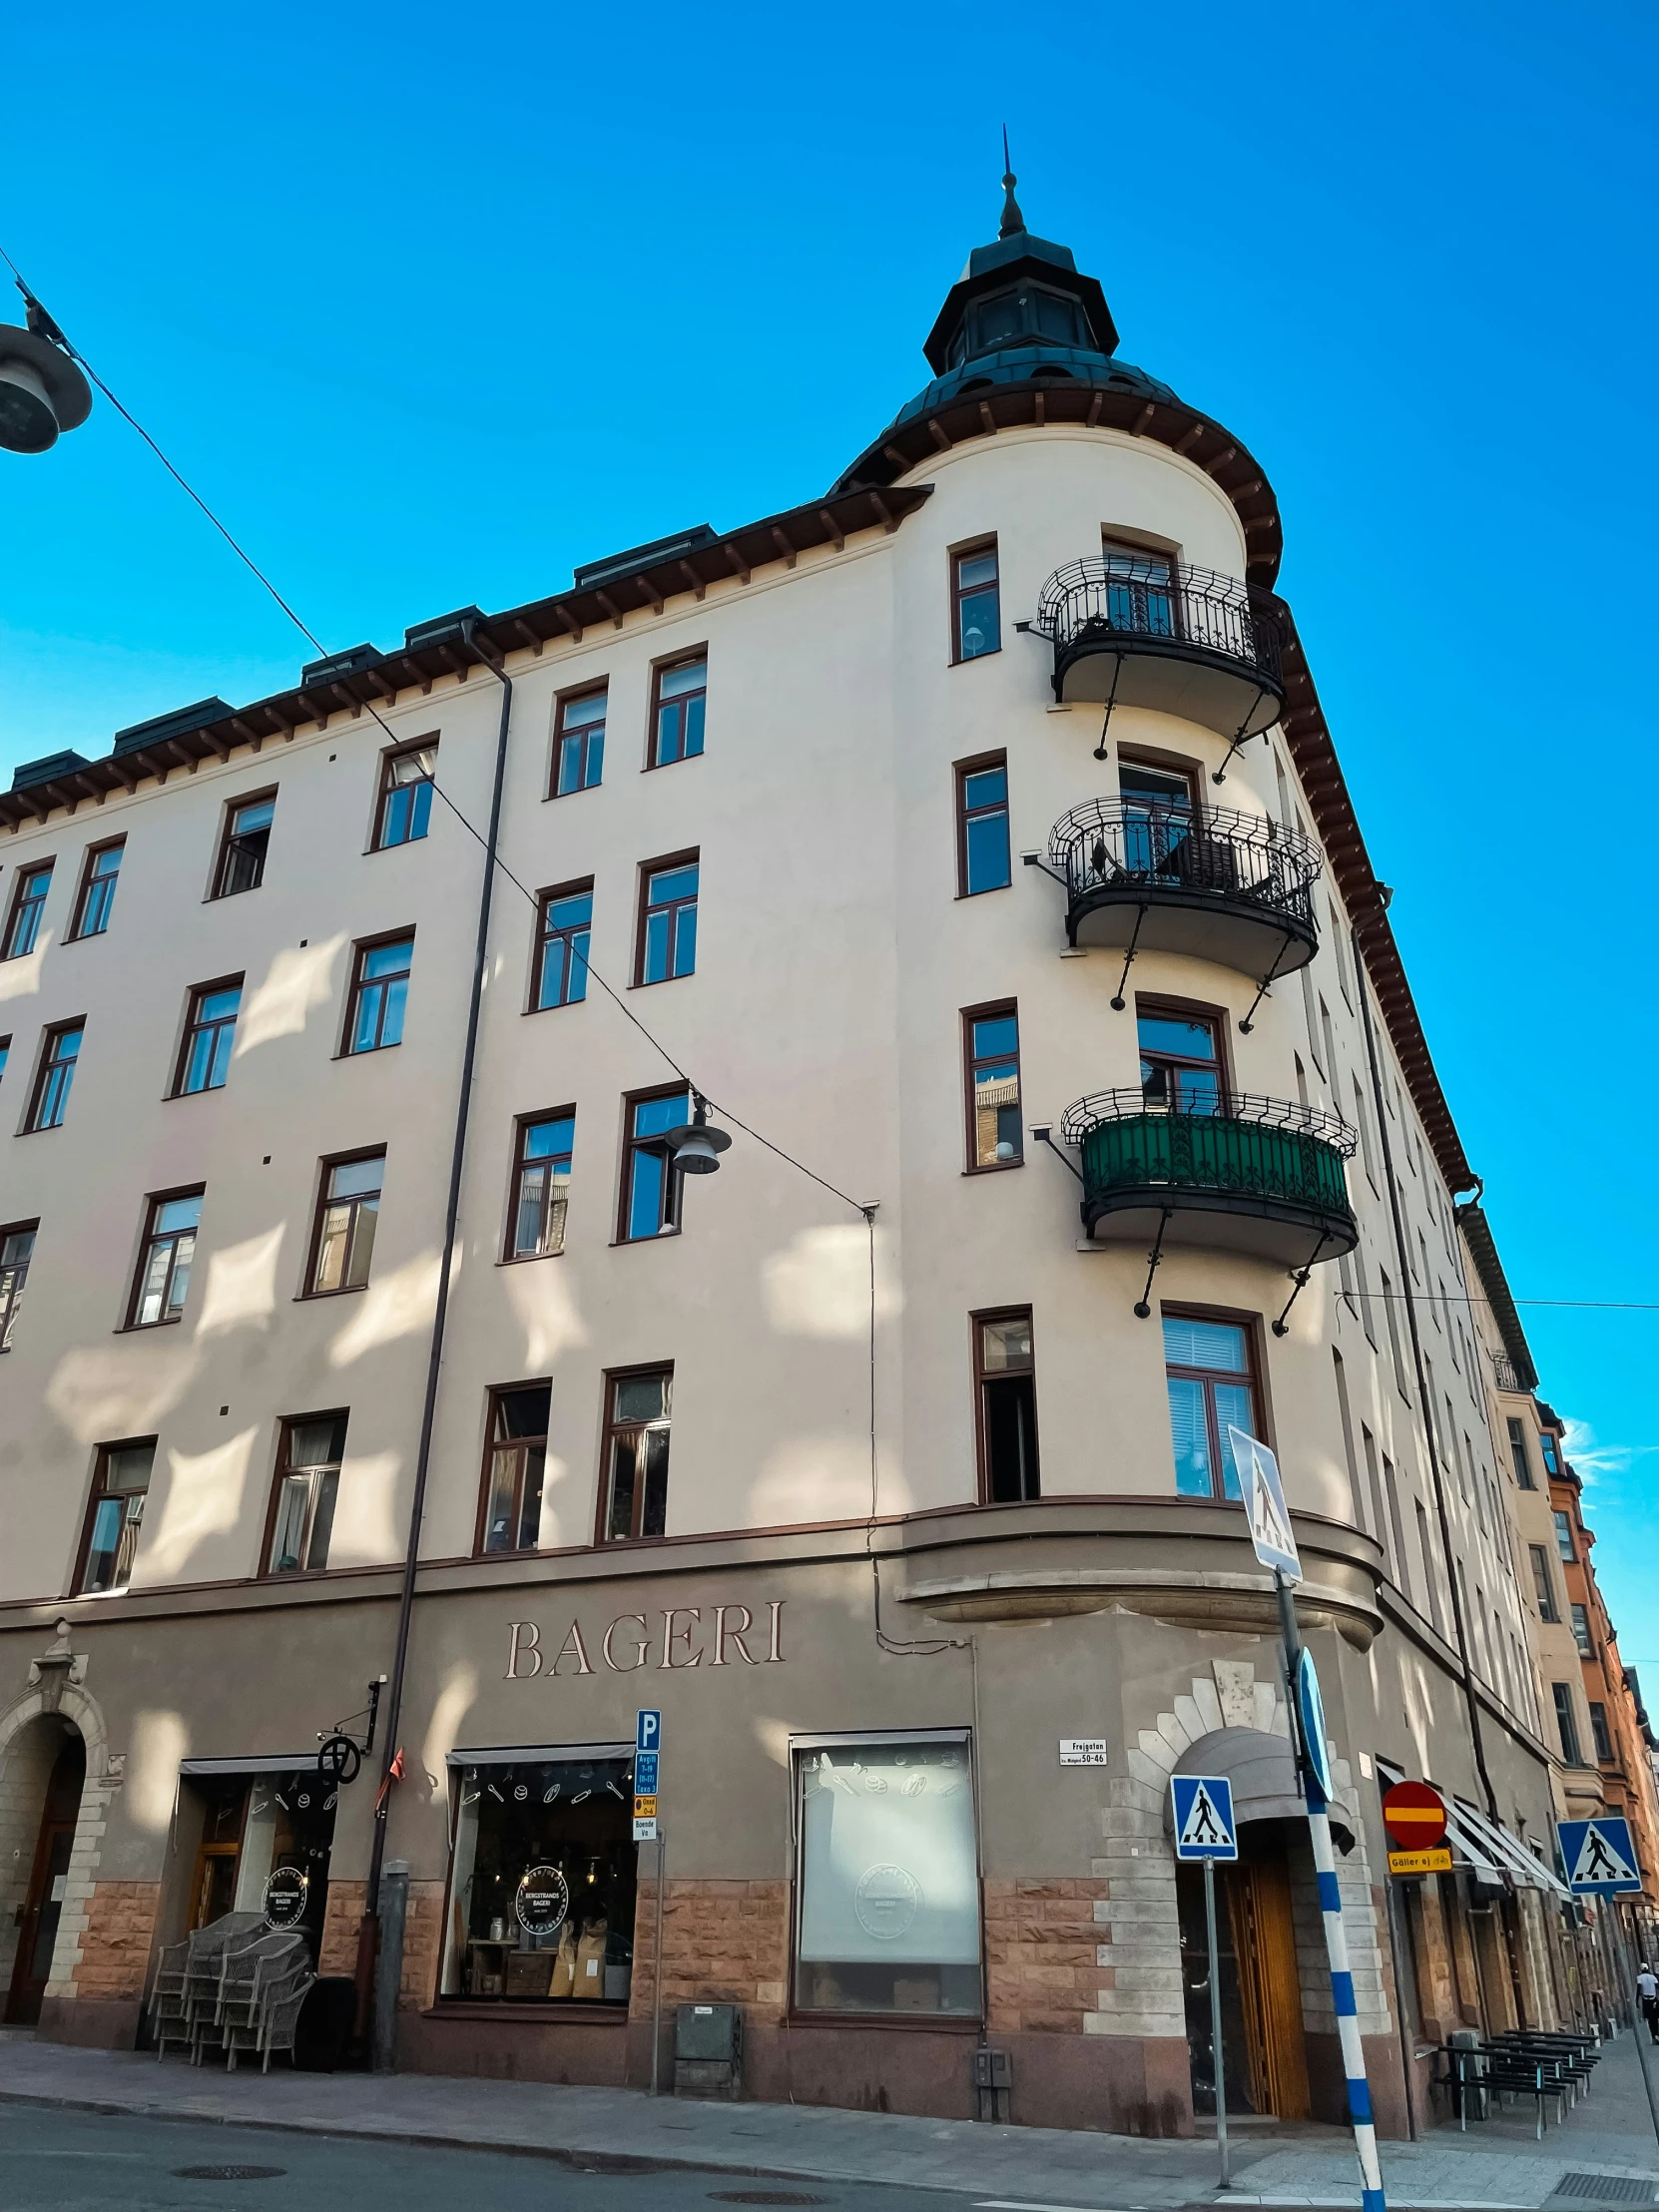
266	1843
888	1878
542	1877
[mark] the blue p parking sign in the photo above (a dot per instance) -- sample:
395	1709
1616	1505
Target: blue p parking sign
648	1730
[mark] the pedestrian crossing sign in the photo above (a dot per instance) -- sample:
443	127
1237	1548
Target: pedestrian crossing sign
1204	1823
1599	1855
1264	1495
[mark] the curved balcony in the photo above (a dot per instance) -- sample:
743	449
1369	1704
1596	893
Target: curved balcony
1221	886
1185	640
1265	1176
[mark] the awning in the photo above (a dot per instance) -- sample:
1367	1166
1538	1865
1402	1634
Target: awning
258	1762
1486	1846
538	1755
1261	1770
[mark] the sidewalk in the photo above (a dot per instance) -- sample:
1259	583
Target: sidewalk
623	2129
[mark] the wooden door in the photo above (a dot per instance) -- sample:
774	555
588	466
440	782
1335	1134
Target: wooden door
1270	1986
48	1878
215	1891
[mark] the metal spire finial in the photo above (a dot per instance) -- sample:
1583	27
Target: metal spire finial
1013	219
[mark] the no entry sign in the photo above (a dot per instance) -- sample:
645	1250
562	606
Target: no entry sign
1414	1815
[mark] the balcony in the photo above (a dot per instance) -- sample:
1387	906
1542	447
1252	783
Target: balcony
1265	1176
1184	641
1221	886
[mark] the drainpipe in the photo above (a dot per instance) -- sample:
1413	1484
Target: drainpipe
1404	1262
369	1929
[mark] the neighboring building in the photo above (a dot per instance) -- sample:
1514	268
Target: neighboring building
881	1512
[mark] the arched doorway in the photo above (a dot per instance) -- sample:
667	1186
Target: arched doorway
43	1898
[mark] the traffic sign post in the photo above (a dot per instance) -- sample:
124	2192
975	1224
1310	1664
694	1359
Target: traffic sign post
1600	1859
648	1745
1415	1816
1205	1829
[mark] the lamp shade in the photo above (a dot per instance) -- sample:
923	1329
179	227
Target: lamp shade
42	392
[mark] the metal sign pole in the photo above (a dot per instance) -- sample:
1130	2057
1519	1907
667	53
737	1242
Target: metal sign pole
1216	2065
1638	2026
657	1977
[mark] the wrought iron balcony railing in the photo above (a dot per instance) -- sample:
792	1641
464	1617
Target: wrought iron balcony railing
1507	1373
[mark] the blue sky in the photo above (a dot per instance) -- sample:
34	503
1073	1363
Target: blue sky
432	305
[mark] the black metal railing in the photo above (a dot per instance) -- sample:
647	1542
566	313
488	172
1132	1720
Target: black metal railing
1102	598
1108	844
1507	1375
1261	1148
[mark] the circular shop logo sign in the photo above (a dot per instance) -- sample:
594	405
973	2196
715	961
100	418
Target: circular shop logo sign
542	1902
285	1891
886	1901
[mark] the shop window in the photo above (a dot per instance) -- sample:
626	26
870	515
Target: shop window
28	904
1581	1629
563	922
210	1033
668	922
541	1881
1209	1375
514	1467
1543	1583
405	804
639	1411
1600	1734
887	1879
1519	1456
97	893
265	1848
1564	1537
1006	1381
541	1185
243	848
975	596
163	1280
650	1182
307	1479
1566	1722
60	1052
115	1514
17	1248
983	850
347	1212
996	1136
676	711
379	989
579	746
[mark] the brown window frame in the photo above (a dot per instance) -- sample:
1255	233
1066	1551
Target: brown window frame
1133	550
644	910
95	1495
14	1284
580	888
283	1470
88	882
387	790
563	701
996	1009
974	550
961	771
1255	1376
314	1248
631	1143
46	1067
1601	1733
194	1027
522	1124
982	1376
1157	1005
17	901
228	842
682	701
493	1397
153	1237
361	949
615	1429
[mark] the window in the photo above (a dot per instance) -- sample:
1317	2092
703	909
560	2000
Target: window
1181	1066
1543	1583
1362	1123
243	851
563	920
406	795
1425	1546
676	711
307	1476
1546	1444
579	743
116	1511
1581	1628
28	900
1599	1733
97	895
515	1467
541	1185
982	861
1345	1417
668	921
1138	595
1566	1722
1211	1382
650	1186
887	1878
379	987
975	596
209	1032
1007	1386
17	1248
1520	1457
1392	1487
1160	810
163	1280
542	1884
995	1138
638	1411
60	1050
1564	1537
1392	1316
342	1240
5	1055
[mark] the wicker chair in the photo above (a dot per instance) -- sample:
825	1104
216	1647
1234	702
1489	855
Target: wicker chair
171	1993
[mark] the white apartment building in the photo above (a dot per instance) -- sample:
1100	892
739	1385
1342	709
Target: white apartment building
972	832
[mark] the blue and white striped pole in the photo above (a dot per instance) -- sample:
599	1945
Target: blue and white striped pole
1313	1766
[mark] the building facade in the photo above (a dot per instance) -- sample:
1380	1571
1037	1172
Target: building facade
973	839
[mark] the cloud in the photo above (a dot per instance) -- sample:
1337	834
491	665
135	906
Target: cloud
1593	1461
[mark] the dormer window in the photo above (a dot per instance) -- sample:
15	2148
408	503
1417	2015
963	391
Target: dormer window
1026	315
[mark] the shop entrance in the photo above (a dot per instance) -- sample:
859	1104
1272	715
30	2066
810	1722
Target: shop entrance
265	1846
48	1879
1263	2047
